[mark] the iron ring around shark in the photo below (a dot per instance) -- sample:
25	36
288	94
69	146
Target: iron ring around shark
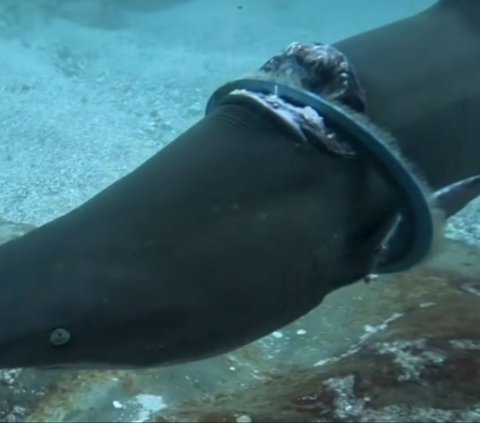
415	213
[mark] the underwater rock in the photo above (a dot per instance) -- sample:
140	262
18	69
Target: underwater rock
421	364
423	367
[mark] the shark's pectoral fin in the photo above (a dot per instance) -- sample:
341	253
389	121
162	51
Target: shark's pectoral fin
446	202
454	197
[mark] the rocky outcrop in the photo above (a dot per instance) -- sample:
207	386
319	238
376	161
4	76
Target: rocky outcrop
423	366
420	364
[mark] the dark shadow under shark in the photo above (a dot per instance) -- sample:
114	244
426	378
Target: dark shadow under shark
231	231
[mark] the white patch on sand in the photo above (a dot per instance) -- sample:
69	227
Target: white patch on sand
150	404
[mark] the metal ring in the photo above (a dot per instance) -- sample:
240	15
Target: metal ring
415	208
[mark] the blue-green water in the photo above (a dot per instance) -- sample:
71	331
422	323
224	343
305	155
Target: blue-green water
91	89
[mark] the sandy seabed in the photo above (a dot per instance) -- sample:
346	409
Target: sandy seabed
90	89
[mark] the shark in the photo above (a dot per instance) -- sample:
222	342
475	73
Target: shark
240	226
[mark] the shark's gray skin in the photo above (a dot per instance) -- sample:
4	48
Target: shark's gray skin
421	76
231	232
